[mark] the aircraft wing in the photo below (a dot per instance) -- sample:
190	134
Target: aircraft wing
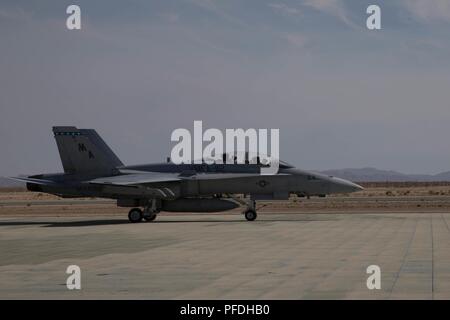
143	178
136	179
220	176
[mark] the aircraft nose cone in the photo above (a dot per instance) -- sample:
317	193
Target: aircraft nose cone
345	186
356	187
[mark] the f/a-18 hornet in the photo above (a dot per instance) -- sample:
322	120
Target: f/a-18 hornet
91	169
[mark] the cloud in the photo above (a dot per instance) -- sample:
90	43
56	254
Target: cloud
284	9
295	39
14	14
428	10
215	8
332	7
170	17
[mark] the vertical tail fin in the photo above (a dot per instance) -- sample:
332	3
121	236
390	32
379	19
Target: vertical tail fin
84	151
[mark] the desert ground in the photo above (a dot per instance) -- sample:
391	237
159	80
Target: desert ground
316	248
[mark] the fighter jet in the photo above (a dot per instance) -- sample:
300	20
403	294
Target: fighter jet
91	169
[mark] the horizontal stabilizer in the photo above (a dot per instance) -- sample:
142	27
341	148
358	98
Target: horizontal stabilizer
35	181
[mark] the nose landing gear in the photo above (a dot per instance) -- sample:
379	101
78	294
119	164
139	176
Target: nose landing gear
250	212
250	215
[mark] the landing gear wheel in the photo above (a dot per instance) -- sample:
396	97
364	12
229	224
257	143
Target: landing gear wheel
250	215
150	217
135	215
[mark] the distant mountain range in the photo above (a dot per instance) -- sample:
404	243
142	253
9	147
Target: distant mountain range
376	175
361	175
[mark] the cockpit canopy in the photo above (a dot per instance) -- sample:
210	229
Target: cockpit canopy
245	158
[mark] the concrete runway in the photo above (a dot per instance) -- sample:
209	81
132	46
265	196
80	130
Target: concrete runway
348	199
222	256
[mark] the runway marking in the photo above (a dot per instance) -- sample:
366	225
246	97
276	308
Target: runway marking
404	259
445	221
432	257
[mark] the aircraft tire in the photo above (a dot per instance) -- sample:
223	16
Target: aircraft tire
250	215
135	215
150	217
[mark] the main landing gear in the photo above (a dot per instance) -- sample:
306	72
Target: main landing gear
250	212
148	214
135	215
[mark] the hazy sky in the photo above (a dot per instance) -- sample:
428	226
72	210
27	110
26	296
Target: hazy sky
341	95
